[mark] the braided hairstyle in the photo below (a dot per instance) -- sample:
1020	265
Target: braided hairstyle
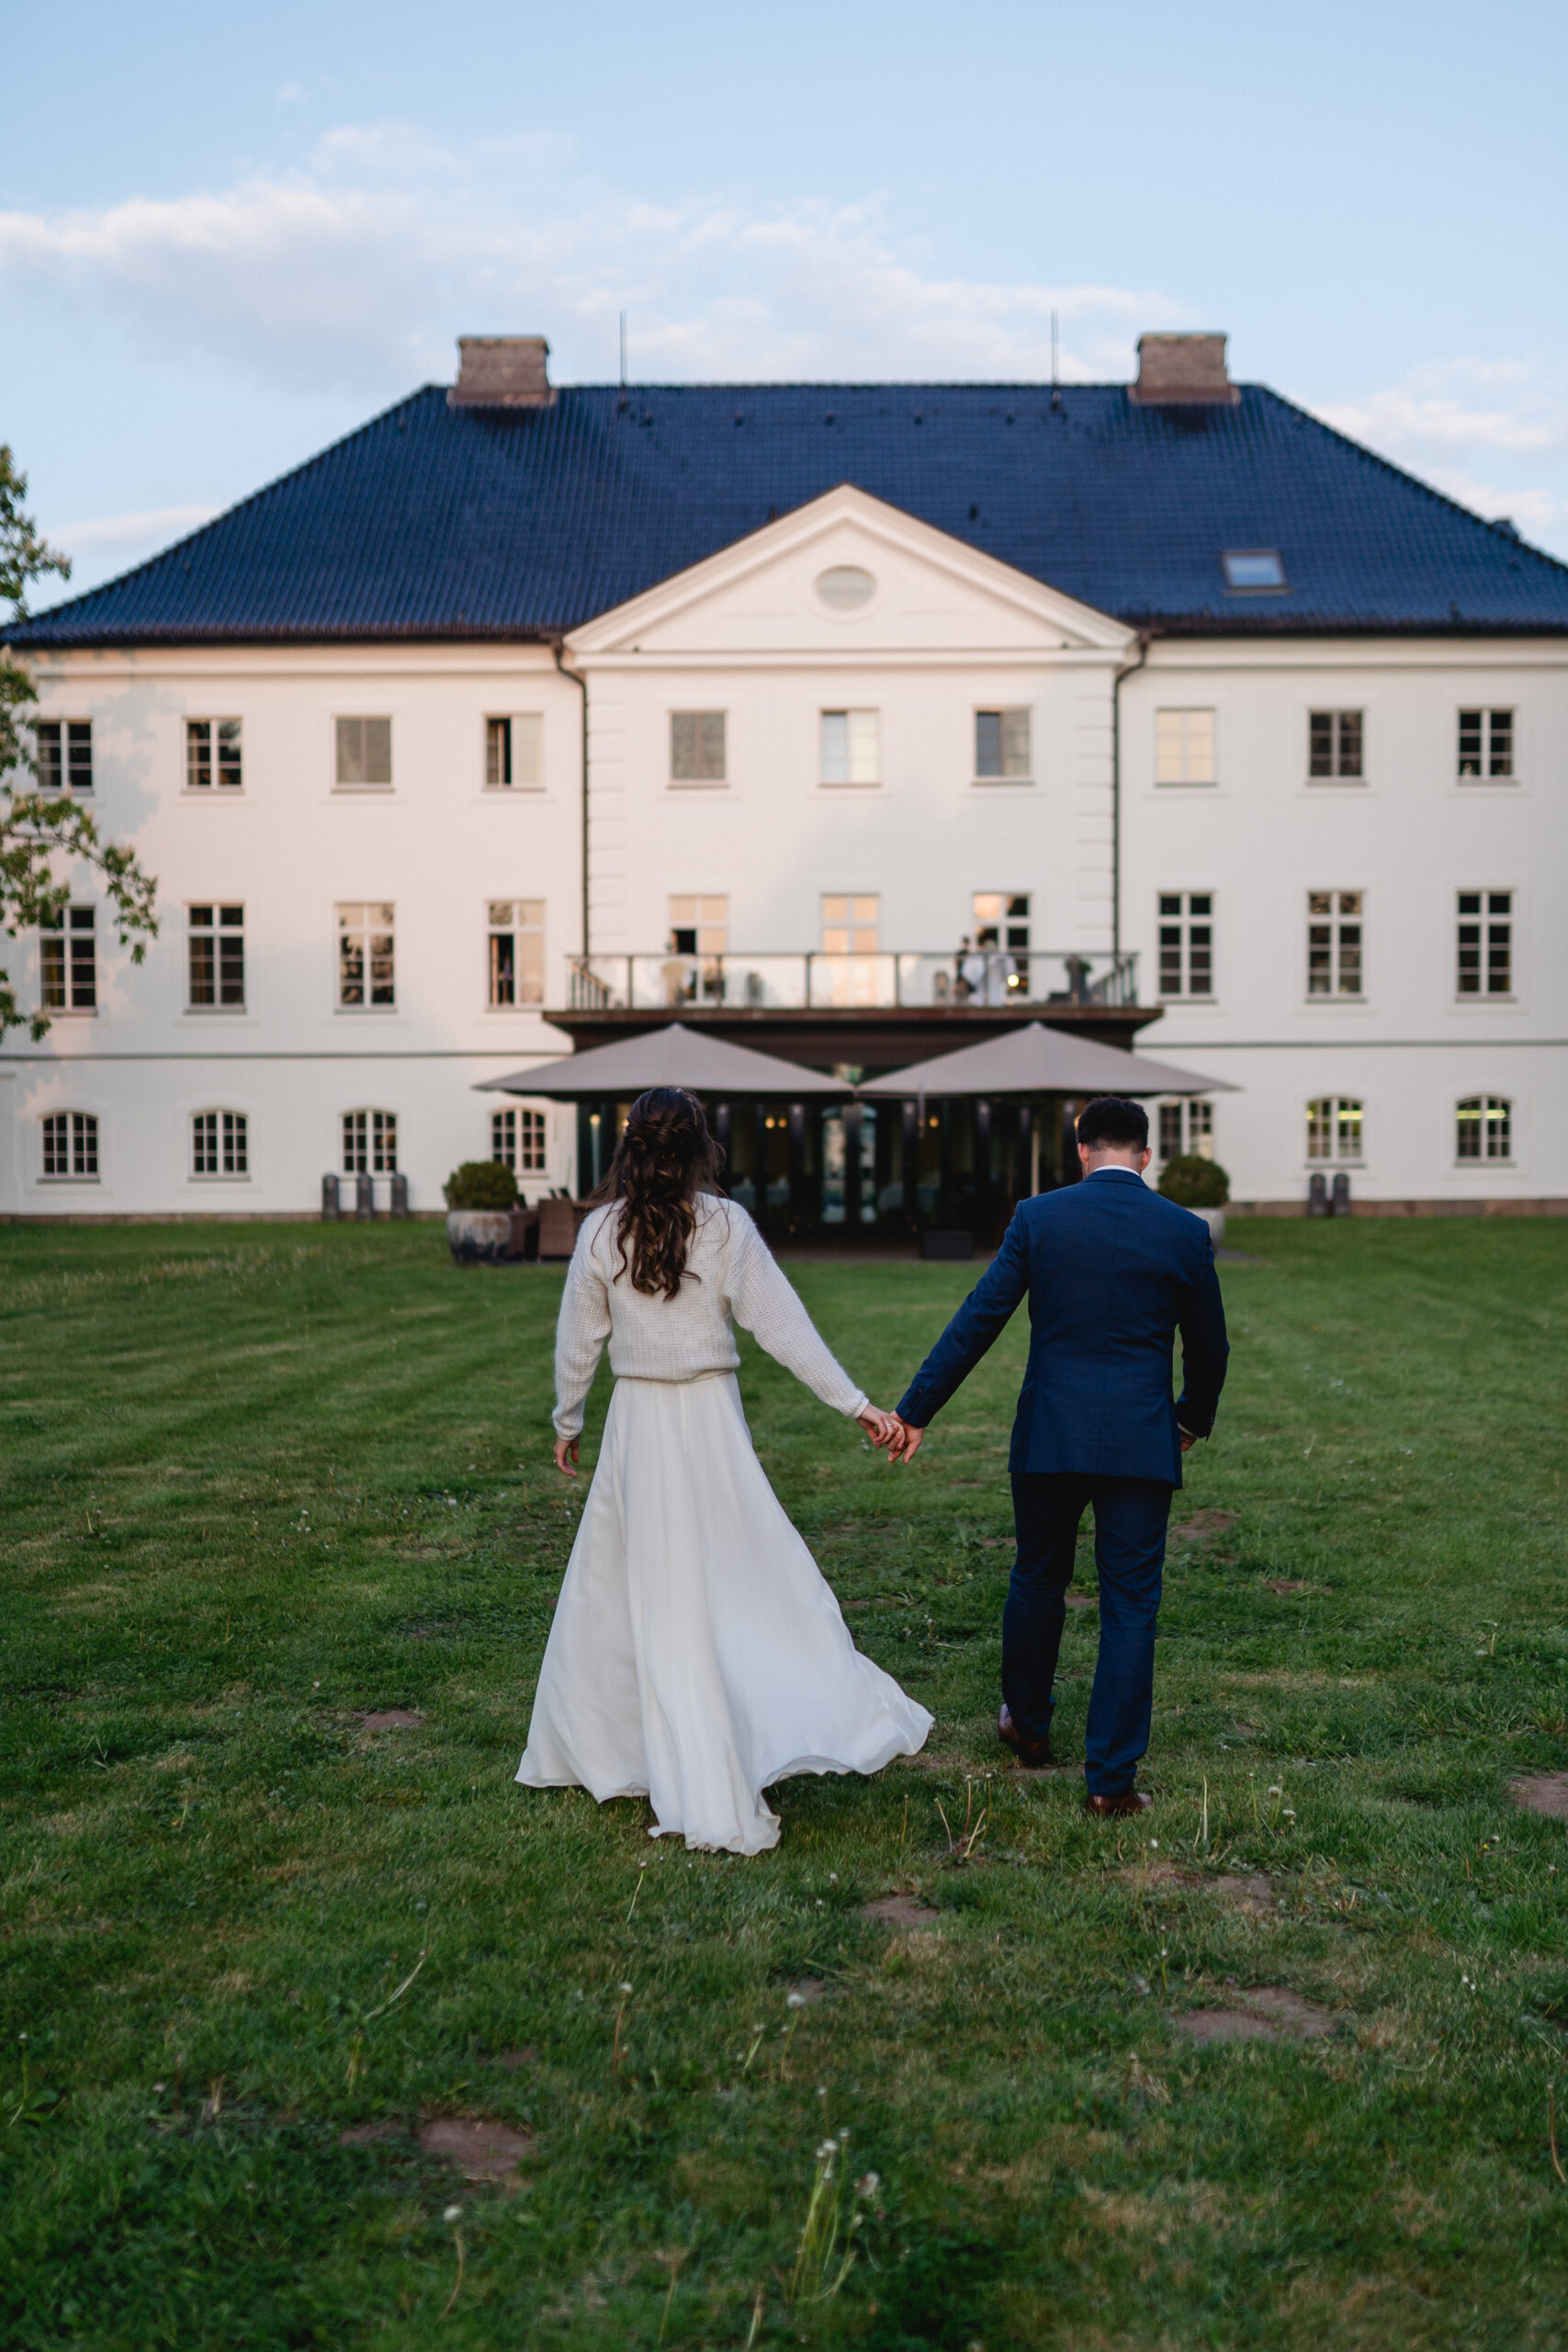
665	1157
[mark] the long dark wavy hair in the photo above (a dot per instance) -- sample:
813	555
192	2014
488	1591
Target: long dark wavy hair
664	1158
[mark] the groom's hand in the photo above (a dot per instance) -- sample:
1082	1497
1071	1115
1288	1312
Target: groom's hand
906	1443
566	1456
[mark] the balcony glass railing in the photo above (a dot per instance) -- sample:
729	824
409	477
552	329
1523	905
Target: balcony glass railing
982	980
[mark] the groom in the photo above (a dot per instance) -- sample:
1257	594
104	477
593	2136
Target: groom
1111	1271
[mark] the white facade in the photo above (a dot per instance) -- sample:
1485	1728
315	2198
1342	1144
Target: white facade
291	847
766	850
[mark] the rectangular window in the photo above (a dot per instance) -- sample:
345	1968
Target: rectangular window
212	755
369	1143
1184	747
1487	744
1334	745
699	926
1002	923
216	958
69	961
219	1143
64	755
364	751
1485	942
1001	747
517	1140
1187	1128
1485	1127
1333	1128
1334	943
1186	942
364	975
697	747
69	1145
515	753
851	924
516	952
850	754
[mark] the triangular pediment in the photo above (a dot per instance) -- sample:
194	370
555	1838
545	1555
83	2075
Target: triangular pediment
848	575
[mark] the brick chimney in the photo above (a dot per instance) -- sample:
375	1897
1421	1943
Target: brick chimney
1186	370
502	372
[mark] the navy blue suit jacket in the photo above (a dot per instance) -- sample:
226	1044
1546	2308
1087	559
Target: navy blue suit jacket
1111	1271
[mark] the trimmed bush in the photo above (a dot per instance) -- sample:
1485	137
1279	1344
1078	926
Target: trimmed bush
481	1184
1194	1183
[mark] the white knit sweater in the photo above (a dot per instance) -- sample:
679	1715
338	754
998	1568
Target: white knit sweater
684	1337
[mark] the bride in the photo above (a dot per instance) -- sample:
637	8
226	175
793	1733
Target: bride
697	1654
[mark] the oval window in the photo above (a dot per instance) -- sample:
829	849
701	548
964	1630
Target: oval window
846	588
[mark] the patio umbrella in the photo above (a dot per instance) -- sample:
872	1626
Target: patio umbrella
673	1057
1038	1060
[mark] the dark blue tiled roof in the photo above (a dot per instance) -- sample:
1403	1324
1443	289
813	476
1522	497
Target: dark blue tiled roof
432	521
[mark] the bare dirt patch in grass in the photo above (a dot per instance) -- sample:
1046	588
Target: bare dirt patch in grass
900	1911
1204	1524
1285	1584
1265	2013
480	2150
808	1991
391	1719
1083	1601
1545	1792
1255	1894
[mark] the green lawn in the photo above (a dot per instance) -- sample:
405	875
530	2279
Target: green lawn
261	1481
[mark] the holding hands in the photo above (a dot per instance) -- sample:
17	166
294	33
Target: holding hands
901	1438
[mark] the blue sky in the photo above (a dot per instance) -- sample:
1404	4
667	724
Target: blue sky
228	236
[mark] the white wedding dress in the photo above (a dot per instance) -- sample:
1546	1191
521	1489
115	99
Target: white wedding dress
697	1654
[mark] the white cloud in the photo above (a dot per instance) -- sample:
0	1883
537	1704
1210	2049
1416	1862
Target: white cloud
355	276
1492	435
114	534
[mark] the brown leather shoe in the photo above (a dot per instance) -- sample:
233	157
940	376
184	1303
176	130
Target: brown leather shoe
1028	1751
1114	1808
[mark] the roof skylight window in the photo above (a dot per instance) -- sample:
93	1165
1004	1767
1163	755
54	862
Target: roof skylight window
1257	569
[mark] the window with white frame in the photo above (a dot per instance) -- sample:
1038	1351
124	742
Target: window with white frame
1002	747
850	746
1001	921
1485	1127
219	1143
515	753
216	958
1334	746
71	1147
364	752
851	922
697	748
699	922
1334	1127
517	1140
1335	944
1486	746
212	755
369	1143
1184	747
365	955
64	755
1485	943
68	962
516	952
1187	1129
1187	943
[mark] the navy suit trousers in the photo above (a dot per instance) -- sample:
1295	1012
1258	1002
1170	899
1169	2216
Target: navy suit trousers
1130	1516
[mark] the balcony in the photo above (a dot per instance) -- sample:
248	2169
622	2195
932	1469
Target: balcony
875	1010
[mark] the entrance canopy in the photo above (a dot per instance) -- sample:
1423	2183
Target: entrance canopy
1038	1060
677	1056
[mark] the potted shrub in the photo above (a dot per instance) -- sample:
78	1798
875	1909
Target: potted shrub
480	1197
1201	1185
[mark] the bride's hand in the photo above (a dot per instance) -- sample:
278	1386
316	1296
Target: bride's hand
566	1456
880	1427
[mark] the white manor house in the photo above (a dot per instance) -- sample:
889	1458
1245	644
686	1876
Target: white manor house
853	721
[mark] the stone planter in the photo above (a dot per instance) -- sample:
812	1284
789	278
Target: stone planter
1216	1221
479	1237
